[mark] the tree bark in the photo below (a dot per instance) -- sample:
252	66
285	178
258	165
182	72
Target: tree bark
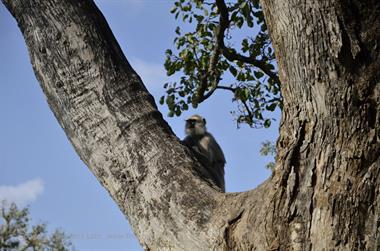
324	193
328	161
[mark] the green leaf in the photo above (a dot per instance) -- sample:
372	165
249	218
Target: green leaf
256	4
249	22
240	76
239	22
258	74
245	45
249	77
246	10
181	94
267	123
233	70
243	5
246	93
270	66
271	107
178	30
199	18
270	166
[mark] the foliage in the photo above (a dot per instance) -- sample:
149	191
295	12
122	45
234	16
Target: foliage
268	148
16	234
206	59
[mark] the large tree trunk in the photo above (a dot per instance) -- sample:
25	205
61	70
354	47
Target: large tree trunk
324	193
328	163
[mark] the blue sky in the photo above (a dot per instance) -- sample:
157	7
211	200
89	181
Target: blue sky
38	166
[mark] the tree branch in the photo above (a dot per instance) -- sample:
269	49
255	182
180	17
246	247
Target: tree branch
232	55
229	54
219	41
224	23
226	88
114	126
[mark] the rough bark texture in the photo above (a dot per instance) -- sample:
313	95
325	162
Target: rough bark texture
324	194
328	161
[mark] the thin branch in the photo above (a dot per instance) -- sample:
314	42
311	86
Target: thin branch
224	22
219	44
209	93
232	55
226	88
248	109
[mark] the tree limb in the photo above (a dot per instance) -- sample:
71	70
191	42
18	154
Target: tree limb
232	55
226	88
115	127
229	54
219	42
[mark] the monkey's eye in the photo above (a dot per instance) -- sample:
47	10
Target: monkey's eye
191	122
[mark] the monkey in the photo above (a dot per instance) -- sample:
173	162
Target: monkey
207	149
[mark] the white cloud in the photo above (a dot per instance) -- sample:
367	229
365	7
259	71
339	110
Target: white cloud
23	193
152	74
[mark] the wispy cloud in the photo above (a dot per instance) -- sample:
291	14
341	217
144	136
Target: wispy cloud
23	193
152	74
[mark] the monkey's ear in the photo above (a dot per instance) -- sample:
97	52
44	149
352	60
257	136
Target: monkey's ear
204	121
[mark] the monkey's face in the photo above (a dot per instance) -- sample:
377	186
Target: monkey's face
195	126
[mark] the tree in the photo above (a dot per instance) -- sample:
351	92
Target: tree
324	192
16	234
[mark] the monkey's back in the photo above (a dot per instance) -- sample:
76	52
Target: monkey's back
210	154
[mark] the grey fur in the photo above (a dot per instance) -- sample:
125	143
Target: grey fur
207	149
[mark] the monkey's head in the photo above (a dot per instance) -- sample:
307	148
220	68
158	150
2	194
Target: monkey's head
195	126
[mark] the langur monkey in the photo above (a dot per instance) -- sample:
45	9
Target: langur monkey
208	150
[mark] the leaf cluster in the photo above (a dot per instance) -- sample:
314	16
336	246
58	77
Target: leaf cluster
268	148
205	59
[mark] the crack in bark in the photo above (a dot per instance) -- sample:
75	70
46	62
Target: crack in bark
311	205
345	54
229	229
291	159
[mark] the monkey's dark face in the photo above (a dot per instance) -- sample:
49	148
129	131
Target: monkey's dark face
195	126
